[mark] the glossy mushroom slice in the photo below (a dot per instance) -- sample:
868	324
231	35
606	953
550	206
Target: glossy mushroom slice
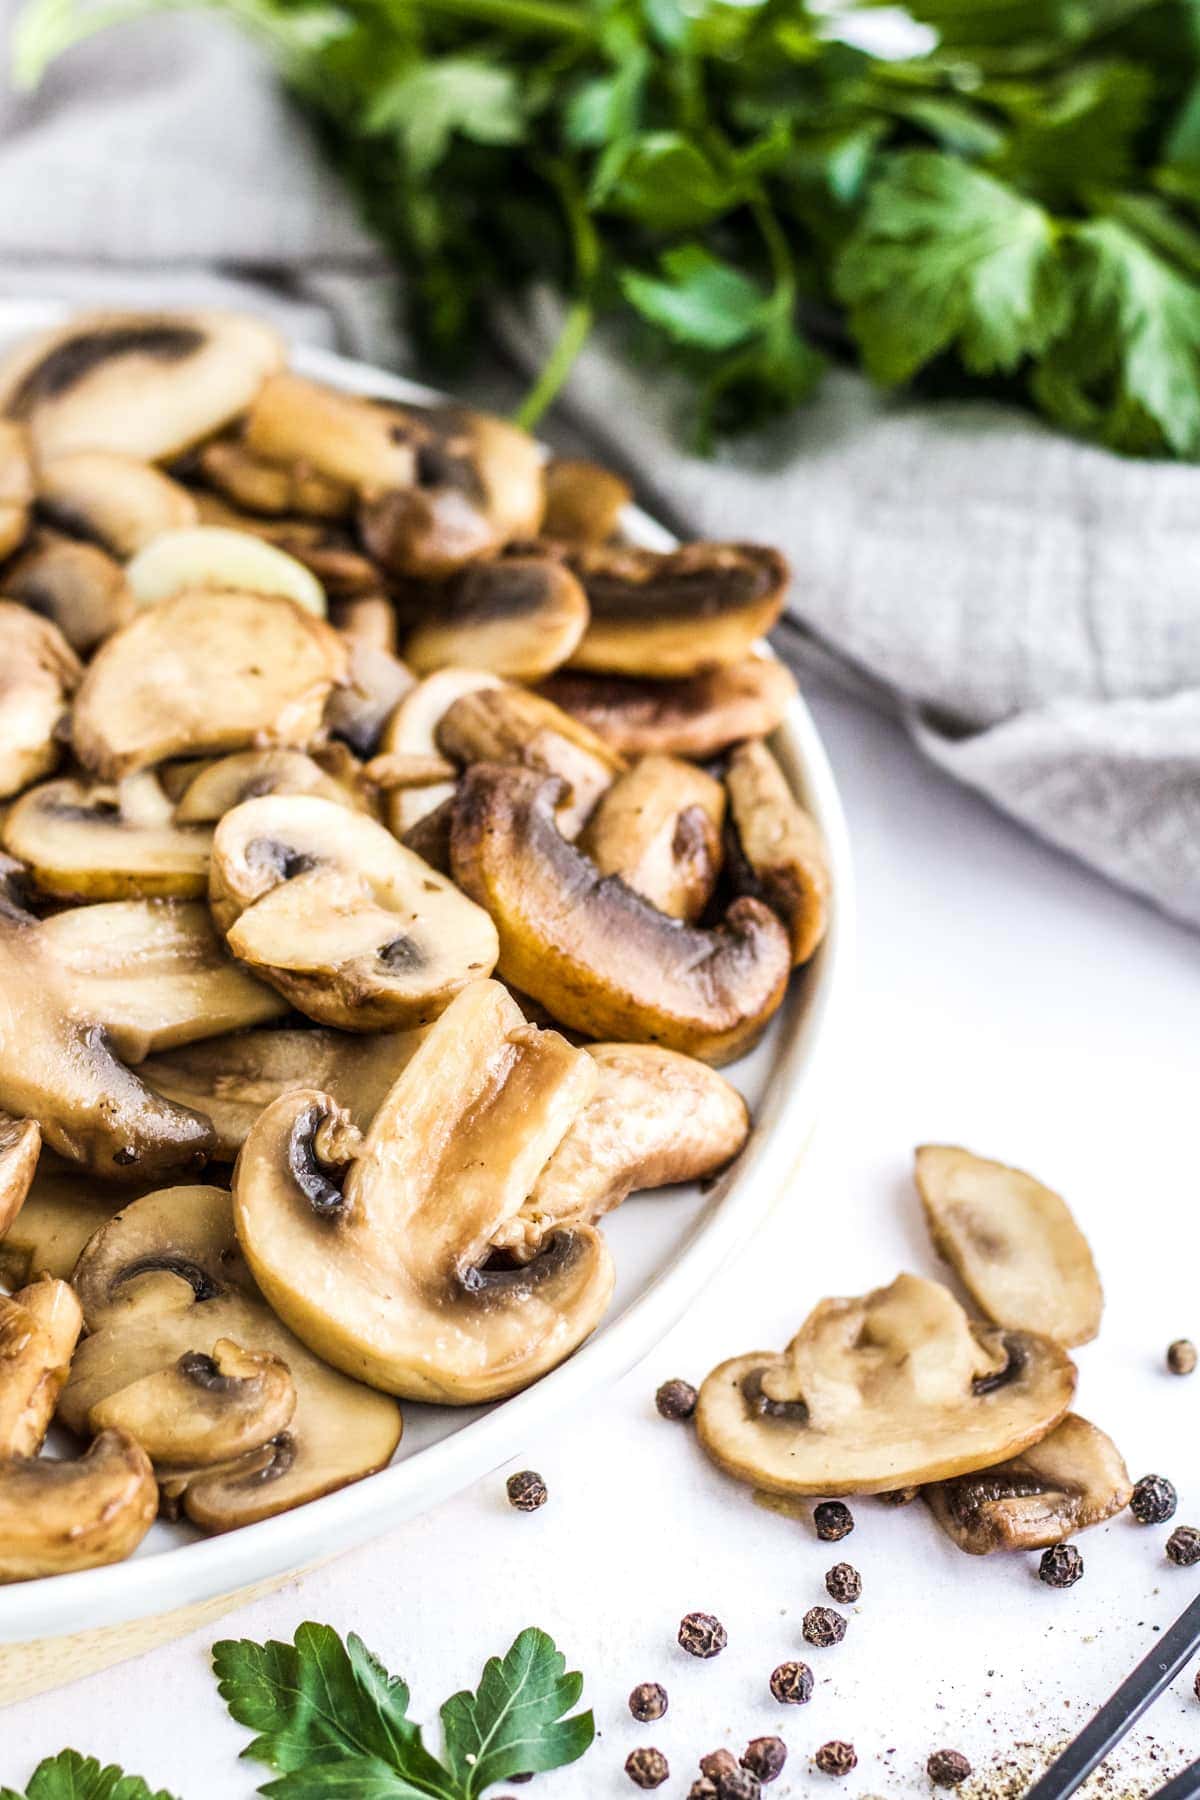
38	672
583	501
511	725
262	486
598	956
778	852
376	684
208	557
62	1210
16	487
519	616
164	1281
252	774
1073	1478
1013	1243
20	1147
107	841
39	1328
896	1389
203	1409
351	927
375	1250
205	671
698	717
362	445
231	1080
659	828
675	613
410	731
147	385
655	1118
78	587
111	500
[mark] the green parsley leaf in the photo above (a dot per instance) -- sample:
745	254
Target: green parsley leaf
514	1722
662	180
70	1776
1077	133
698	300
430	103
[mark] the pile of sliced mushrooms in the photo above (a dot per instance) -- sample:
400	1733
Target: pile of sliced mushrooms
390	852
902	1389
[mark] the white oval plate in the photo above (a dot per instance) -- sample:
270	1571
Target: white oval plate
667	1246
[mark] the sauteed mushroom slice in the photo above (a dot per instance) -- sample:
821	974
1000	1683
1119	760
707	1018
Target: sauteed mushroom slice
519	616
358	712
39	1328
164	1280
38	670
1073	1478
250	775
351	927
1013	1243
511	725
111	500
142	384
602	959
583	501
676	613
16	487
62	1210
699	716
778	852
107	841
410	732
363	445
655	1118
20	1147
659	828
208	557
376	1250
896	1389
263	486
205	671
367	619
203	1409
78	587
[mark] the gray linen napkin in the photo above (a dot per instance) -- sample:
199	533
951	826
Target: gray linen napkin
1026	604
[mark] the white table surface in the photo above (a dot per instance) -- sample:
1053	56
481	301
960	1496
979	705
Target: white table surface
1012	1002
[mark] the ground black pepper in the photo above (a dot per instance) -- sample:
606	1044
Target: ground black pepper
765	1757
792	1683
526	1491
702	1635
947	1768
646	1768
676	1399
1154	1500
648	1701
843	1583
836	1757
1181	1356
823	1627
833	1520
1183	1546
1061	1566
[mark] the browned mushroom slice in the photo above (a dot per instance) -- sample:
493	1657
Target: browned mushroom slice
249	775
376	684
78	587
1073	1478
410	732
39	1328
203	1409
232	1079
659	828
62	1210
520	617
111	500
205	671
655	1118
1013	1243
20	1147
58	1516
262	486
352	928
369	619
16	487
164	1280
697	717
142	384
511	725
38	670
360	444
375	1250
896	1389
583	501
107	841
779	853
602	959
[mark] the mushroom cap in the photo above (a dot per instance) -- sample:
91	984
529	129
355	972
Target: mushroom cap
203	1410
214	557
353	928
599	957
410	731
1073	1478
106	840
519	616
78	587
141	384
659	828
58	1516
112	500
780	854
38	670
384	1269
895	1389
511	725
697	716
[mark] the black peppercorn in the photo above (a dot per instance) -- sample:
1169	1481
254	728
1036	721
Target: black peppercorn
823	1627
718	1764
843	1583
765	1757
648	1701
526	1491
1154	1500
676	1399
898	1496
740	1784
836	1758
702	1635
1181	1356
833	1520
1183	1546
1061	1566
947	1768
646	1768
792	1683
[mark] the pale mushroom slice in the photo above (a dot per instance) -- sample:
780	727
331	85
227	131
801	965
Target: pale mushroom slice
20	1147
164	1280
38	672
511	725
375	1250
895	1389
584	501
252	774
62	1210
345	922
39	1328
778	851
107	840
519	616
16	487
275	488
410	732
698	716
599	957
211	557
205	671
376	683
203	1409
659	828
154	973
111	500
233	1079
656	1118
1073	1478
1013	1243
147	385
78	587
